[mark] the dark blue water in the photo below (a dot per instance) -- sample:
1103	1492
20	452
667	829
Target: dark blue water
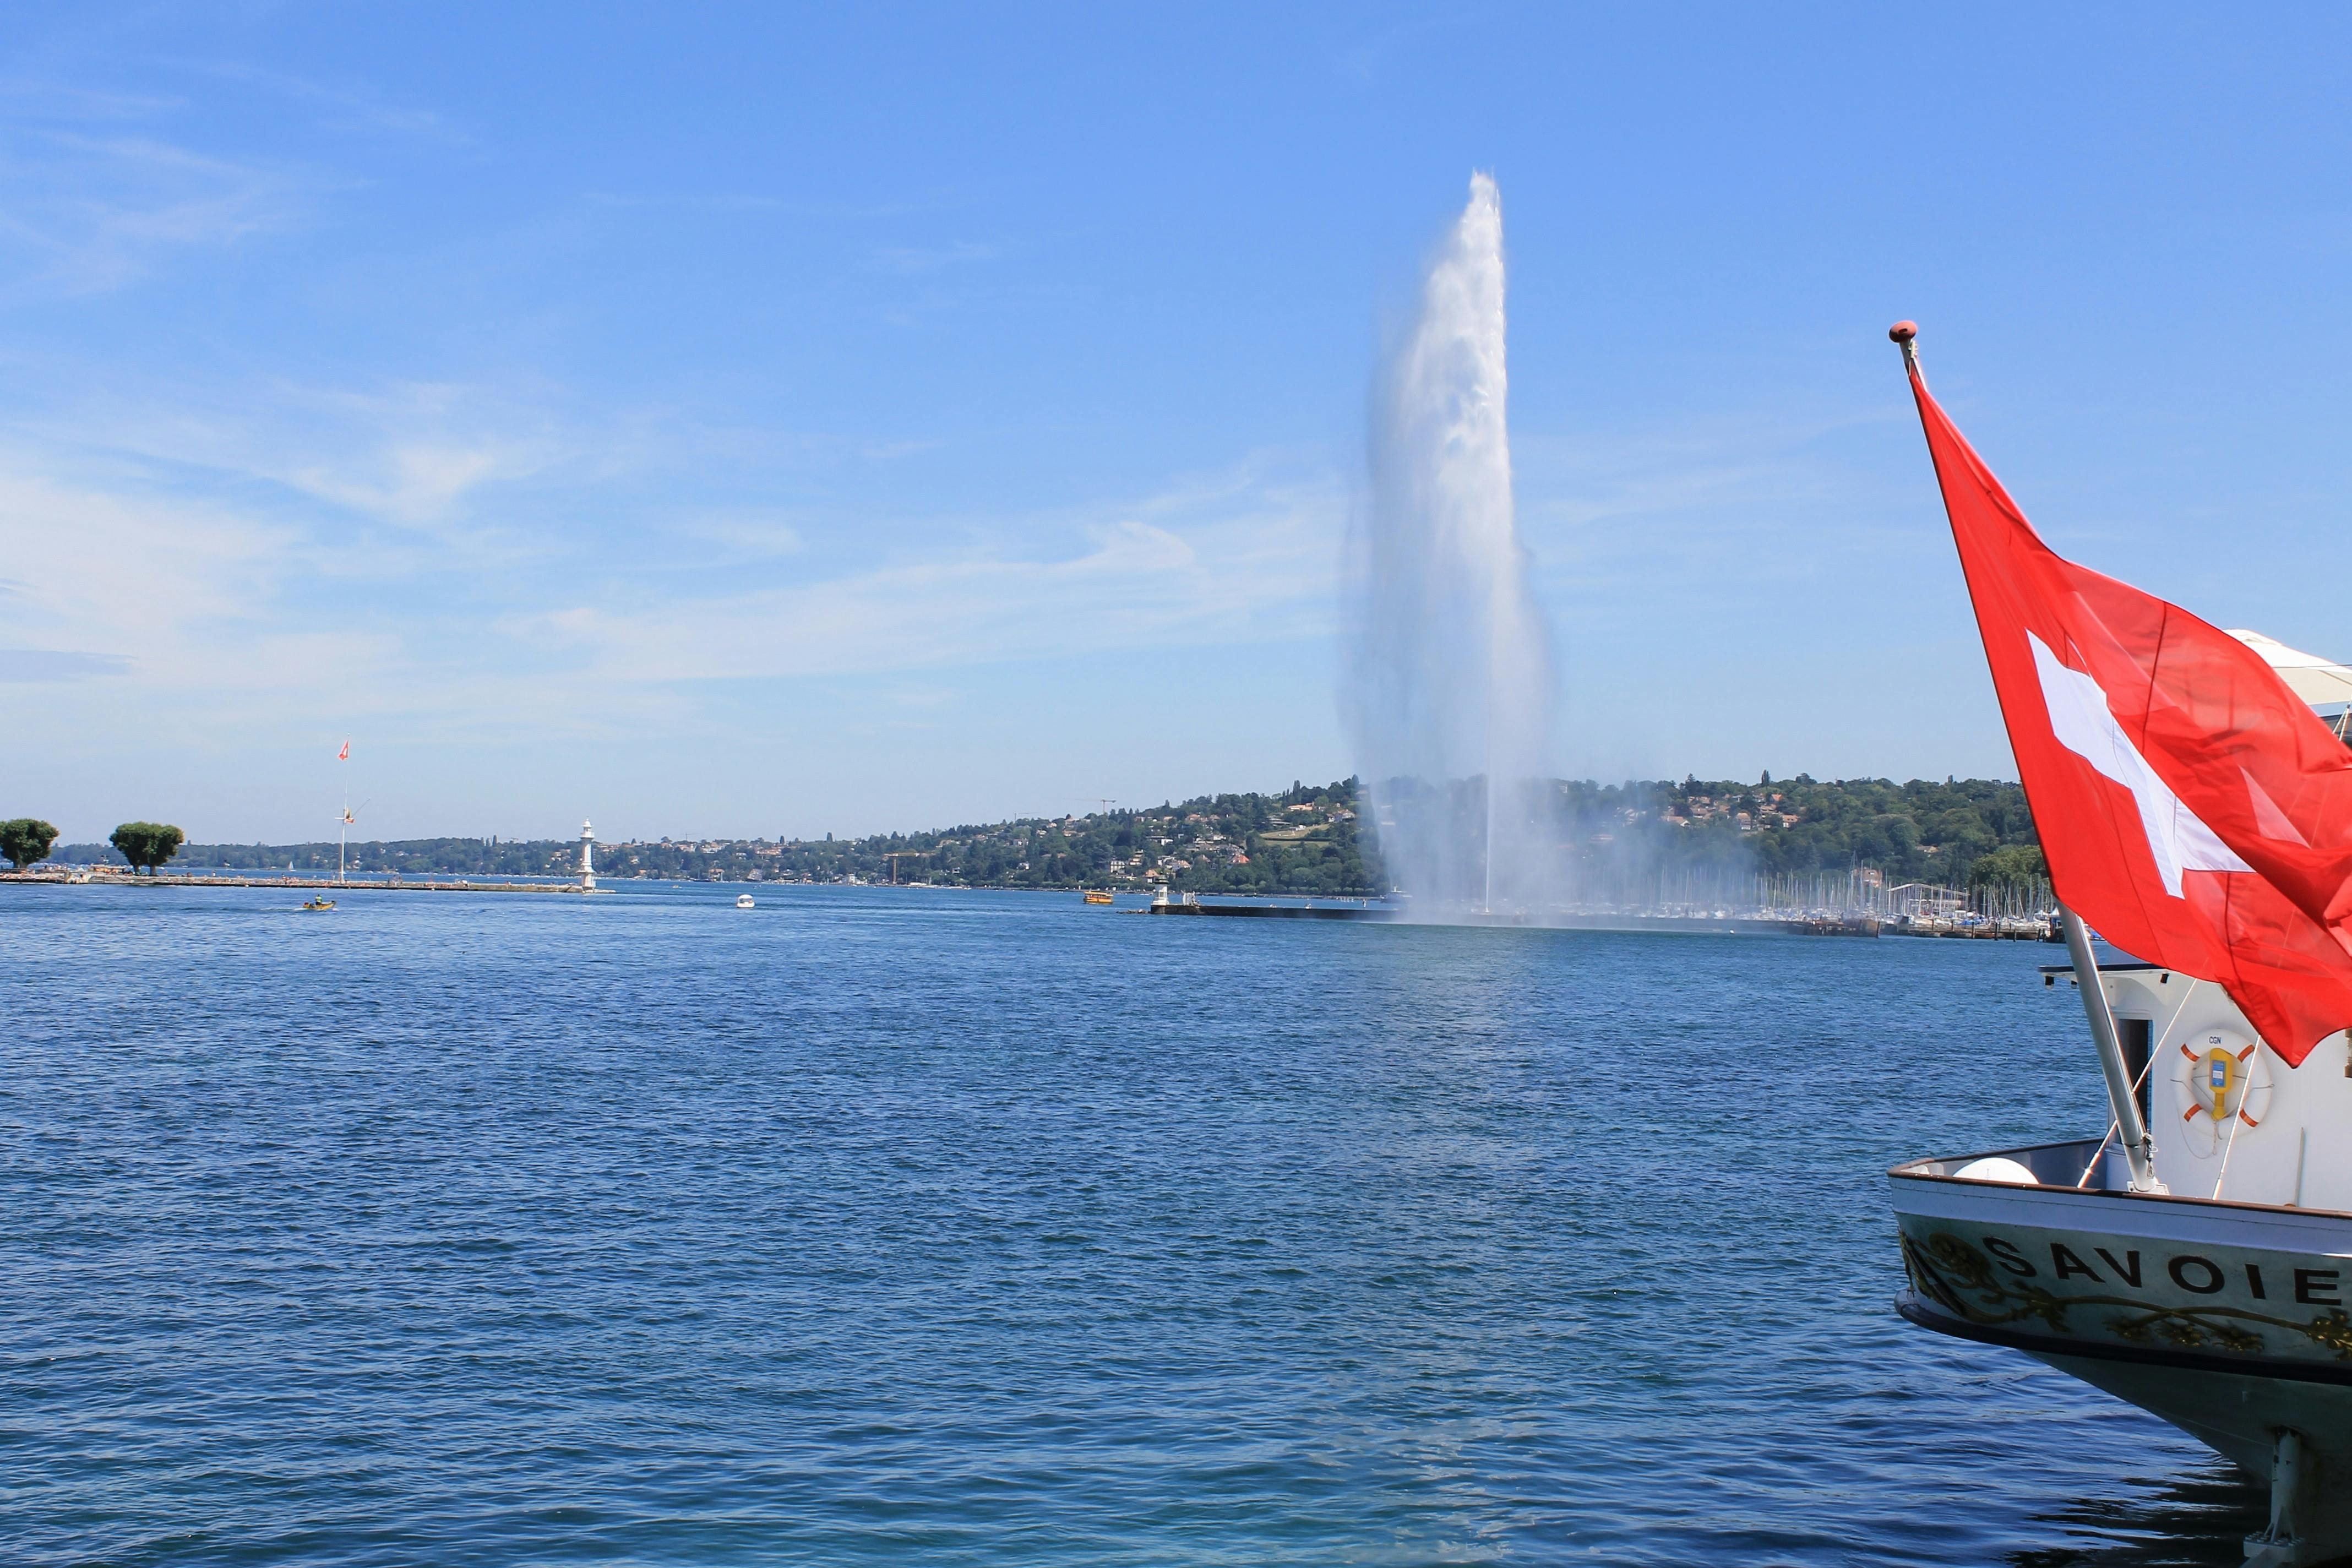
936	1227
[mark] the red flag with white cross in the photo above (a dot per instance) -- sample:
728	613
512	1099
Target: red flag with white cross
2192	808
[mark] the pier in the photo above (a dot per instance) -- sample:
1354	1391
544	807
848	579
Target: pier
390	884
1279	912
1623	920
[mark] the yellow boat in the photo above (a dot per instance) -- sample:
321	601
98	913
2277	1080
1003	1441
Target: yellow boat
1094	897
319	903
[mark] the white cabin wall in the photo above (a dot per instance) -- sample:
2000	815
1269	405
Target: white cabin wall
2302	1111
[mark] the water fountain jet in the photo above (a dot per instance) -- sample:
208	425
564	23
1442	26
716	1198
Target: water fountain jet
1449	692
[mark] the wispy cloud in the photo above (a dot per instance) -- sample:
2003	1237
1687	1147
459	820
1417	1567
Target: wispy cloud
409	456
26	98
1715	500
82	214
912	260
158	583
747	534
248	602
30	664
705	201
342	106
422	482
1236	560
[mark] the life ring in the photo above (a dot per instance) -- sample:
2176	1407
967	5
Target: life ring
2224	1076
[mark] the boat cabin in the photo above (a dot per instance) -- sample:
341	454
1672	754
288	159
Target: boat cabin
2231	1120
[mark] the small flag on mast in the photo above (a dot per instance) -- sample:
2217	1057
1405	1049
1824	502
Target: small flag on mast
2191	806
345	754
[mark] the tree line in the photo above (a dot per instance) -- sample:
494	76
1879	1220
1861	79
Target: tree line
143	845
1957	833
1308	839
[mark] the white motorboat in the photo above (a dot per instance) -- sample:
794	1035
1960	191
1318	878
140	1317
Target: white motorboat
743	901
2197	1260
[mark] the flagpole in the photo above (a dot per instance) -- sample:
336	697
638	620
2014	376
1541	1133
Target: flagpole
2139	1149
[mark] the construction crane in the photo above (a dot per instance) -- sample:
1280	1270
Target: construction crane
897	855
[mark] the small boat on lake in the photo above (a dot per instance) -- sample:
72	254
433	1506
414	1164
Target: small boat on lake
743	901
1096	896
319	903
2195	805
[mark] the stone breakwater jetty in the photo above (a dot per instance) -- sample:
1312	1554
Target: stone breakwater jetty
347	885
1276	911
1818	925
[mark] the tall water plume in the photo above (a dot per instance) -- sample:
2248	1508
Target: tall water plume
1449	689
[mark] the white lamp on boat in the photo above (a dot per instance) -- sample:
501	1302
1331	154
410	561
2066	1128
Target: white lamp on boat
1997	1168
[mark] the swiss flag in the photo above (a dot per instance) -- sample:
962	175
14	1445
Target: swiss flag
345	754
2192	808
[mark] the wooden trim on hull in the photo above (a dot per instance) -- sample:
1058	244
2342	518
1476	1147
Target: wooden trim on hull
2035	1345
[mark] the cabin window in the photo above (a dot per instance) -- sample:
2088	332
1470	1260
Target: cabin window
2132	1034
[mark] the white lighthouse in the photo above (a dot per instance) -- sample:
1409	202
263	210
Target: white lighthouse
587	857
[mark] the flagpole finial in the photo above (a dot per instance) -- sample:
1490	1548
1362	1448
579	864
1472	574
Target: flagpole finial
1905	334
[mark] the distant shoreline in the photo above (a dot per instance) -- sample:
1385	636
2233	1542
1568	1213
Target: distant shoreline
81	875
114	877
1638	842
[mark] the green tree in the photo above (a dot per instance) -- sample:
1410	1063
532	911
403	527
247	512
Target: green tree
147	844
2010	863
26	839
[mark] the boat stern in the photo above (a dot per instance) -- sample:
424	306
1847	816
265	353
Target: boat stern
2230	1321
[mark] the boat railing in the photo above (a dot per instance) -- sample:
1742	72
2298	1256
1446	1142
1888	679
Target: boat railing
2085	1163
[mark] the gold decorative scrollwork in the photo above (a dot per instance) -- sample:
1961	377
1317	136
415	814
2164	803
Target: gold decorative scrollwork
1964	1283
2332	1329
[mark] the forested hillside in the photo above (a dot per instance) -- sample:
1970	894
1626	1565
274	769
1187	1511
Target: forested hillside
1917	832
1304	840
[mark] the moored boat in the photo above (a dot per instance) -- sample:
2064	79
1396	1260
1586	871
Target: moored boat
2196	806
2218	1297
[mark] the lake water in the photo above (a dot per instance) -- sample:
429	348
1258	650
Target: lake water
903	1226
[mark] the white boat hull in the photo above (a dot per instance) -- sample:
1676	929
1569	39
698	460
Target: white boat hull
2232	1320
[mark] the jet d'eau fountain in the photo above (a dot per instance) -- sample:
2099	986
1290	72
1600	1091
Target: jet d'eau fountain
1450	684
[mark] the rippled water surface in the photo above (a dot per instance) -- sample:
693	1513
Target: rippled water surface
913	1226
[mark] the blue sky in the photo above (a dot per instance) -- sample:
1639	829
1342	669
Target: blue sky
757	421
